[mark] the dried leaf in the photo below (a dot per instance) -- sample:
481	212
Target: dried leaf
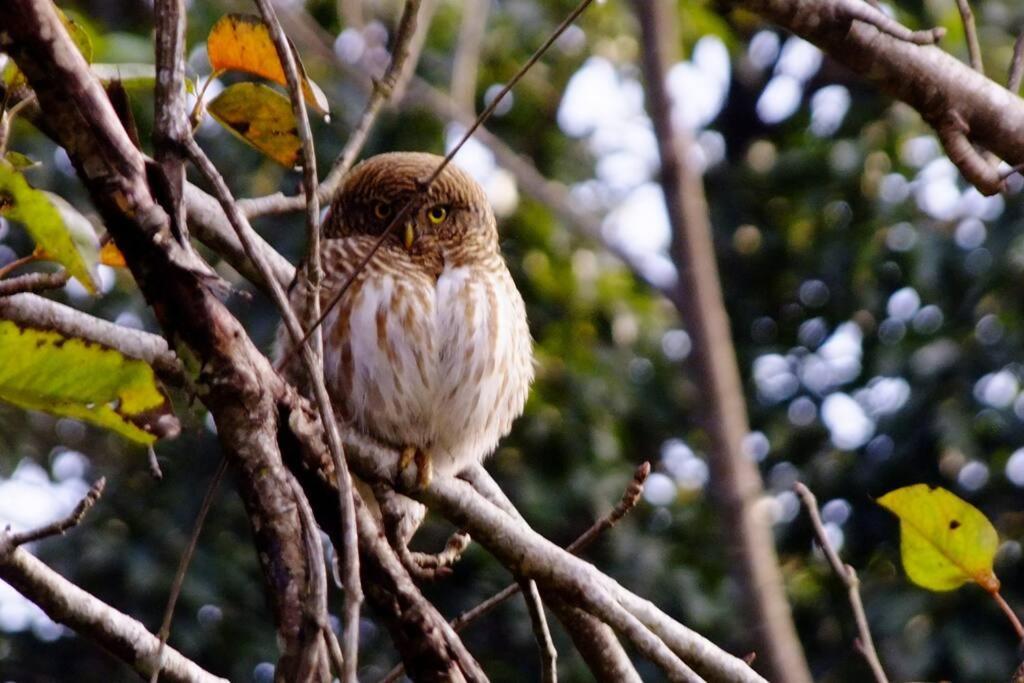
260	116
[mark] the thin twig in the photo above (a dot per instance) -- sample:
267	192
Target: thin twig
313	271
7	118
348	540
1016	66
971	33
183	563
33	282
316	599
864	644
382	91
10	541
541	631
17	263
154	464
426	183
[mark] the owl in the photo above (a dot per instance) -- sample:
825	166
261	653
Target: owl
428	350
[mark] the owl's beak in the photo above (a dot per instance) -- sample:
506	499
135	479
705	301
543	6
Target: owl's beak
409	236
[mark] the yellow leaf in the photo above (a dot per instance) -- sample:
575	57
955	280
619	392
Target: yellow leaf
57	228
242	42
260	116
111	256
944	540
45	370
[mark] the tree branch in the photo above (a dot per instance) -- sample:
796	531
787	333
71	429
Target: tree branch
925	77
88	616
37	311
234	378
846	573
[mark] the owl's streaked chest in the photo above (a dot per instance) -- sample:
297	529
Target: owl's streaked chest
444	365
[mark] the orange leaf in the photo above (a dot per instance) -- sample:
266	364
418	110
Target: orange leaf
111	256
241	42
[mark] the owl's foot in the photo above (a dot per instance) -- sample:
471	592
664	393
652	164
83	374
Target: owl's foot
424	468
433	566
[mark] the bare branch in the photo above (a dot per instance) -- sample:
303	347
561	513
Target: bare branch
541	631
118	633
313	353
244	231
170	123
865	644
596	643
925	77
11	540
1016	66
36	311
976	169
237	383
33	282
68	604
318	643
186	557
971	33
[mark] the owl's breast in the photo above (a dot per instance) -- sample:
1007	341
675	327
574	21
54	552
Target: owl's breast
485	362
444	365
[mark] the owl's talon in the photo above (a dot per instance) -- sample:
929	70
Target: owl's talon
424	468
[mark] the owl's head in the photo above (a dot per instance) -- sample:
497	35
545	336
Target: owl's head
452	215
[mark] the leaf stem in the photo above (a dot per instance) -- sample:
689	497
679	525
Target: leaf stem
1010	614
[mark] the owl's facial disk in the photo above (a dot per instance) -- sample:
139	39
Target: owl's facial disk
414	223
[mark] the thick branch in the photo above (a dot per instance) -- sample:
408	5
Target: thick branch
924	76
236	380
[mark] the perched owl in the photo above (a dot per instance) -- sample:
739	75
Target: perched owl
429	349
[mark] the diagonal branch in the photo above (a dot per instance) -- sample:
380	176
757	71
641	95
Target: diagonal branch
313	353
120	634
924	76
846	574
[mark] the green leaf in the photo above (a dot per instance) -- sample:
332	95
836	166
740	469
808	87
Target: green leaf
19	161
944	540
260	116
57	228
44	370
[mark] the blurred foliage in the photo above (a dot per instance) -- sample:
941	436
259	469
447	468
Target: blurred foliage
813	230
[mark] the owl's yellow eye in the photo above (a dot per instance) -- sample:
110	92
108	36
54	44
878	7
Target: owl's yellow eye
437	214
382	210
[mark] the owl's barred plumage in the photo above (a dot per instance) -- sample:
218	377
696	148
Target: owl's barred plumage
429	348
